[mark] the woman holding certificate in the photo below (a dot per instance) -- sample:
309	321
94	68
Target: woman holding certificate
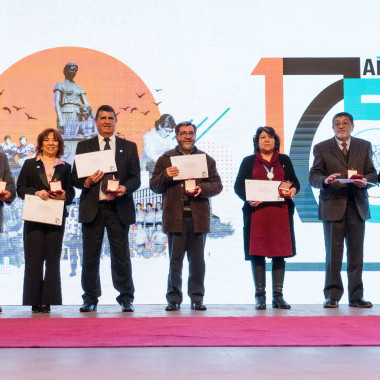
47	177
268	225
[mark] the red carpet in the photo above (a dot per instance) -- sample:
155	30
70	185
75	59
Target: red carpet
200	331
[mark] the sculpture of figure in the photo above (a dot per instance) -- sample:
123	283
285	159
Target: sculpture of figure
68	97
157	141
87	127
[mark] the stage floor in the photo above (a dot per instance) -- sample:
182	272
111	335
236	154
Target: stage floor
190	362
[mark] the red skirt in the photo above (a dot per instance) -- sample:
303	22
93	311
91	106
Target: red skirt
270	231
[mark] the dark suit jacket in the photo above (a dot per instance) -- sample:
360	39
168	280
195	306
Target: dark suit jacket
128	173
6	175
32	178
329	159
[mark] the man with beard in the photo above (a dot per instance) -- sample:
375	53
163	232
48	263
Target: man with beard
186	218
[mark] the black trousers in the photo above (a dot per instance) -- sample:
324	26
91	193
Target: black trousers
121	267
351	230
42	247
193	244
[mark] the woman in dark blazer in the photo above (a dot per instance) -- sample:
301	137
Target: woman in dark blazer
43	242
268	226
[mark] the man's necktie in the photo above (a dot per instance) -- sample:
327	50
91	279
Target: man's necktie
107	176
344	150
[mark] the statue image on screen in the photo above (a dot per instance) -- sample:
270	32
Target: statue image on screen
86	127
68	99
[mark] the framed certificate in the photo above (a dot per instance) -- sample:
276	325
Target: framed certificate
3	186
55	187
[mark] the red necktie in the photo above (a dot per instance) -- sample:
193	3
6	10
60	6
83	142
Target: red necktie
344	150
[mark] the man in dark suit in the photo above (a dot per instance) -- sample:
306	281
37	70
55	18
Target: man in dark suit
9	194
113	211
343	208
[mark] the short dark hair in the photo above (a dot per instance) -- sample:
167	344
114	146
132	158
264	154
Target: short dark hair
41	137
162	119
271	132
21	137
184	124
6	137
105	108
66	68
340	114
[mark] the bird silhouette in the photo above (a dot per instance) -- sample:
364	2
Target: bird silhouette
1	93
18	108
7	109
157	89
30	117
134	109
157	103
117	113
124	108
145	113
140	96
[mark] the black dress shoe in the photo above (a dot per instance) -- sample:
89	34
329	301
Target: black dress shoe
45	308
280	303
330	303
260	303
127	307
36	309
173	306
87	307
198	305
361	302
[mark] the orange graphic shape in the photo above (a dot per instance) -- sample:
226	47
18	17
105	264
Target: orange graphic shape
30	83
272	68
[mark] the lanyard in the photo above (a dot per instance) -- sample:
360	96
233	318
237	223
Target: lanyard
270	174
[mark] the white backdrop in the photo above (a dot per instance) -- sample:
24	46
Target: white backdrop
202	53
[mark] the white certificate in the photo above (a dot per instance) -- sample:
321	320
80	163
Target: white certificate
88	163
190	166
262	190
38	210
342	180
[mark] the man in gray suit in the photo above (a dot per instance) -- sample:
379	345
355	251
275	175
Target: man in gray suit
9	193
343	208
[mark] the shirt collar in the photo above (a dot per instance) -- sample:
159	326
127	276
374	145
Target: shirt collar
101	138
339	142
58	161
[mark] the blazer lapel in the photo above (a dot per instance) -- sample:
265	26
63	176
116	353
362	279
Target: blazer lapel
58	172
336	152
354	151
120	150
41	172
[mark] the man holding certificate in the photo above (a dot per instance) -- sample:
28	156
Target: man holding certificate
343	207
7	188
106	201
186	212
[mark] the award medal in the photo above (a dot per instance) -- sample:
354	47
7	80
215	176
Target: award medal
270	174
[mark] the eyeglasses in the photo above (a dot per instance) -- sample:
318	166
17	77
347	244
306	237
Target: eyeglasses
183	134
344	124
